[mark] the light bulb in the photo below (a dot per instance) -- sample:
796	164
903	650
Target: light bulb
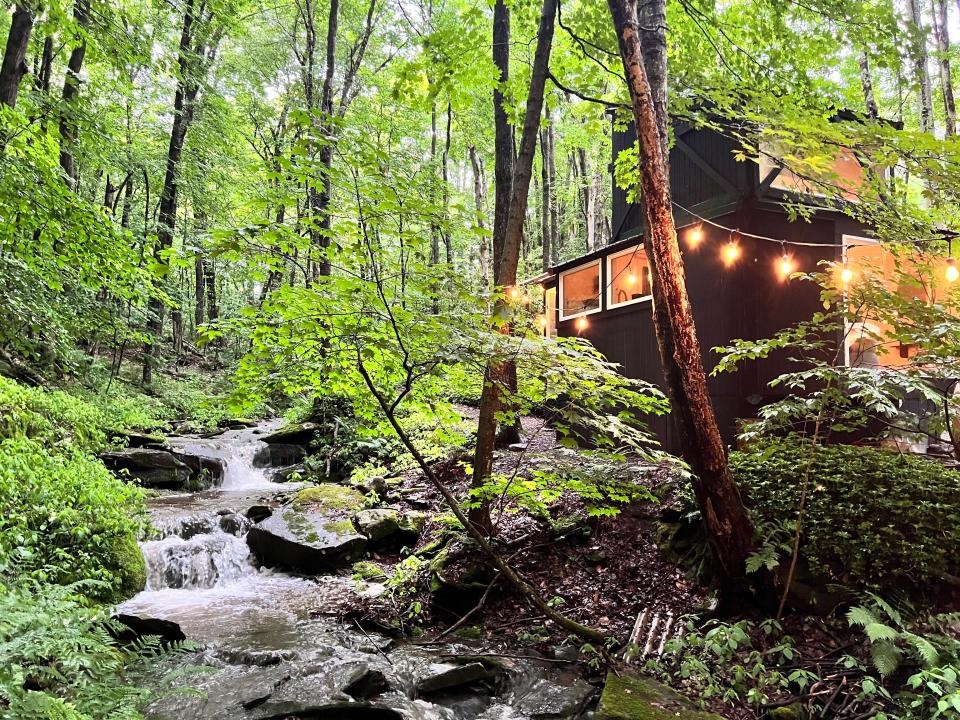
542	320
581	324
785	266
695	235
952	272
514	293
731	253
846	275
631	279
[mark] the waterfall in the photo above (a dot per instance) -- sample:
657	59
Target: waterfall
203	560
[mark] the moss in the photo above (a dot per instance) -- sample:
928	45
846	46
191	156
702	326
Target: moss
365	570
340	527
328	498
632	697
130	569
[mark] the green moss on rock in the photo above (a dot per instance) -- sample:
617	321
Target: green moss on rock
329	498
632	697
365	570
129	568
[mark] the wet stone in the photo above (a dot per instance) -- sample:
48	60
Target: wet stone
446	677
309	543
549	701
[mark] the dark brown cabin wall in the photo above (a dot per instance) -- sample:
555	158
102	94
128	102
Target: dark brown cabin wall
747	300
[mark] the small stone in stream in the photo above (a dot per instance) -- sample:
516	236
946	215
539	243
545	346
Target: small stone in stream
377	523
256	513
445	676
548	701
335	711
364	683
517	447
234	524
570	653
138	627
288	473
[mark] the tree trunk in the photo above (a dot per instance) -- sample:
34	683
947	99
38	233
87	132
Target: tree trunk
183	108
322	205
176	322
71	87
210	277
14	65
109	194
554	210
434	230
505	265
447	240
503	131
921	65
478	198
544	200
42	81
199	292
728	527
942	34
866	82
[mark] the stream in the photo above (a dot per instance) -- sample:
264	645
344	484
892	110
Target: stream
269	645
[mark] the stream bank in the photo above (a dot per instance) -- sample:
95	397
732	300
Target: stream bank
273	644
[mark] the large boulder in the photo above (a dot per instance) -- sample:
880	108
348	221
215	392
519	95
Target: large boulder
153	468
635	697
313	534
206	471
299	434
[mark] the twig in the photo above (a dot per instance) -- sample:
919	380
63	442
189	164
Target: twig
470	614
373	642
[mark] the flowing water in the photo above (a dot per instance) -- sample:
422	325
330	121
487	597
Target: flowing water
269	644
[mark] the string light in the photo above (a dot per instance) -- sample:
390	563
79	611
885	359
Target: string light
581	324
732	250
542	321
631	279
514	293
846	275
695	235
785	265
952	272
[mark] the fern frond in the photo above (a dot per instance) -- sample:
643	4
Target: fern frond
886	657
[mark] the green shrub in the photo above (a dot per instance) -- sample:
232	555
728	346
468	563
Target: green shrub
53	417
873	517
60	661
65	518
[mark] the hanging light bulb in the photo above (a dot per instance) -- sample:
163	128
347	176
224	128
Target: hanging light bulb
732	251
695	235
514	293
785	265
542	321
581	324
952	272
631	279
846	275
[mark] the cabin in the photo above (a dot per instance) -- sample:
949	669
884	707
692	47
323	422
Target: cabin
726	211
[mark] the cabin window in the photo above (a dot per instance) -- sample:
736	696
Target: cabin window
580	291
845	172
867	342
629	277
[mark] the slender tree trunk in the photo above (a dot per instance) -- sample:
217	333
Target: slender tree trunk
322	206
199	292
478	198
434	230
109	193
447	240
42	81
942	35
554	210
505	265
644	61
127	204
71	88
176	323
503	131
210	277
866	83
14	65
183	109
921	65
545	200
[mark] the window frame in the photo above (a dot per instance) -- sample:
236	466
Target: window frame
611	303
846	241
561	294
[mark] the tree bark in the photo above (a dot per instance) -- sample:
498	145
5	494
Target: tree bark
447	239
42	80
503	131
199	292
866	83
322	204
942	35
729	530
921	65
544	201
71	88
14	65
505	264
554	210
478	198
210	277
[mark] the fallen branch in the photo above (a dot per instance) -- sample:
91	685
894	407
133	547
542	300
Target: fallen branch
483	599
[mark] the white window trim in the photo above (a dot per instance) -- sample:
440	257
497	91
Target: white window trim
560	291
611	303
847	241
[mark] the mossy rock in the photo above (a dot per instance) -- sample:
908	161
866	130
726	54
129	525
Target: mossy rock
633	697
377	523
130	569
329	498
365	570
297	434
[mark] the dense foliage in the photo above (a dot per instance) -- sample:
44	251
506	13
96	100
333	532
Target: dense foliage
873	517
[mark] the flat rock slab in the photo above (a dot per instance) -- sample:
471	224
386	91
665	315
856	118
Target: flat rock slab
447	676
306	542
635	697
549	701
